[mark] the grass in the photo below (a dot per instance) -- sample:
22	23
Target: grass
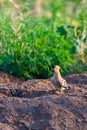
30	46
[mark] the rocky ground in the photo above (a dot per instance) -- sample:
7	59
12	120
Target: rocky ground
34	105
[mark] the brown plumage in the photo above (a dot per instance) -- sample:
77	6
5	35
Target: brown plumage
58	81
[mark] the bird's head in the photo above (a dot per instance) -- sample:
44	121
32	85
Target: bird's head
56	68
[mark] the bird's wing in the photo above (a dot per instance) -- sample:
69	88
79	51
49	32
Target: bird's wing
56	83
63	82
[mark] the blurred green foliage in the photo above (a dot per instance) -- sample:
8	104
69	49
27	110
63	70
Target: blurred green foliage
30	45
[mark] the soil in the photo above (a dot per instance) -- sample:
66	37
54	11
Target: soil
35	105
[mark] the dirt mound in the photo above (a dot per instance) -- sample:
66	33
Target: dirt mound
7	79
34	105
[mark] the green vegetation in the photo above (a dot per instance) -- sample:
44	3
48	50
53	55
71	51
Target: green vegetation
32	42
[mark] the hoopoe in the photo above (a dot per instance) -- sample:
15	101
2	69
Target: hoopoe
58	81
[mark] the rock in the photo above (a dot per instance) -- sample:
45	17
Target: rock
78	120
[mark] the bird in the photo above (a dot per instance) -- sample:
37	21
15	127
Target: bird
58	81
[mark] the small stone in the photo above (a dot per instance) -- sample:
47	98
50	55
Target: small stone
78	120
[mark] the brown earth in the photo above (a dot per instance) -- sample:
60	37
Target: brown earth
34	105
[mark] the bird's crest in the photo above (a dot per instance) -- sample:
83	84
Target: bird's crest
56	68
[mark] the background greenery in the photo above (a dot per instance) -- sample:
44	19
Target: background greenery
35	37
